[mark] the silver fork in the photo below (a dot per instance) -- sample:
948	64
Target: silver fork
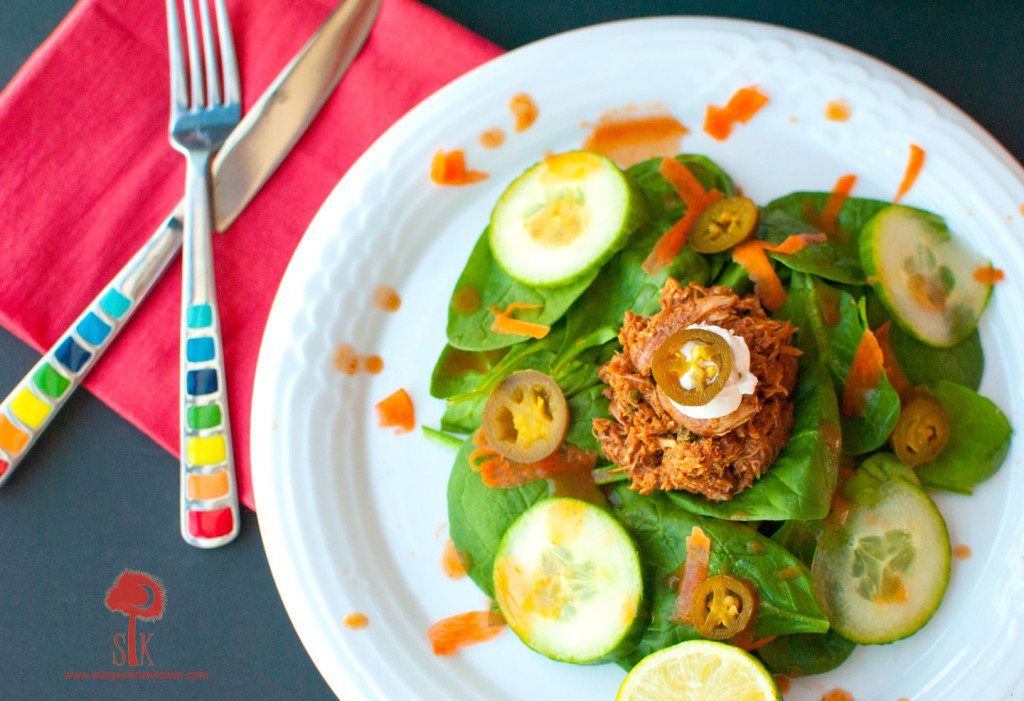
201	119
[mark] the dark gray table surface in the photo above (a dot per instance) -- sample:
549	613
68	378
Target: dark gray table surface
97	496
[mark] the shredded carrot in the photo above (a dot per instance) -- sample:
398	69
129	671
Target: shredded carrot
501	473
987	275
793	243
914	164
864	376
505	324
449	634
693	195
834	203
742	106
396	411
893	370
751	257
682	180
756	644
695	571
449	168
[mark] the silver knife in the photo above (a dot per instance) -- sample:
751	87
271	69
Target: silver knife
250	155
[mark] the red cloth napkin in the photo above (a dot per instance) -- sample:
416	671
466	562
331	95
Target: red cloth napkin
87	174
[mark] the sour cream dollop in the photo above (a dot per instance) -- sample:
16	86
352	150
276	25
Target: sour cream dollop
741	381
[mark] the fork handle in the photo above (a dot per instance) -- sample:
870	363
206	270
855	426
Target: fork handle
209	495
31	406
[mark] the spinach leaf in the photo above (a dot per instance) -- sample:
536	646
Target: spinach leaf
963	364
979	438
479	515
472	331
832	260
800	483
837	259
800	538
831	326
805	653
583	409
623	286
660	527
459	372
662	198
463	412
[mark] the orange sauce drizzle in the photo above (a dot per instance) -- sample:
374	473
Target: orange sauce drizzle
787	573
373	364
837	110
961	552
348	361
627	136
492	138
466	300
451	562
783	683
524	110
355	621
386	299
449	168
345	359
837	695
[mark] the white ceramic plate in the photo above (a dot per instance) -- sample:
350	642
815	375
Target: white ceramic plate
353	517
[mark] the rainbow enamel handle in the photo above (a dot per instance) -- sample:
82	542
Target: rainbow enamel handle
29	409
209	496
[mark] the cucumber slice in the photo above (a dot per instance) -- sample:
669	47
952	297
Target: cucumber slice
563	218
924	277
568	580
882	571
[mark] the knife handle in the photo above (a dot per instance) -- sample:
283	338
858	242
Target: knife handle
30	407
209	494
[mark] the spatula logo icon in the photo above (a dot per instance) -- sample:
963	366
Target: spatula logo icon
136	595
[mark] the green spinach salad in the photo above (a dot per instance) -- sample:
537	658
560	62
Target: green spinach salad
680	415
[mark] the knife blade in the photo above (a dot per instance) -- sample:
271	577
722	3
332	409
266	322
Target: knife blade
248	158
272	126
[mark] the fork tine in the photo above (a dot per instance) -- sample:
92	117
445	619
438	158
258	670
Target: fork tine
212	71
232	85
179	90
195	63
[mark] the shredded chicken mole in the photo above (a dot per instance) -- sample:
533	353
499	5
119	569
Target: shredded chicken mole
660	447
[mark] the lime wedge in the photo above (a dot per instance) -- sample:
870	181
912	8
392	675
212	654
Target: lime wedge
699	670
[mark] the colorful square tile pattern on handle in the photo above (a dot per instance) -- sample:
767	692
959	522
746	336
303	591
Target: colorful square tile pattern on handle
206	451
92	329
199	316
203	416
199	350
30	409
114	304
199	382
212	486
12	438
210	524
71	355
51	382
